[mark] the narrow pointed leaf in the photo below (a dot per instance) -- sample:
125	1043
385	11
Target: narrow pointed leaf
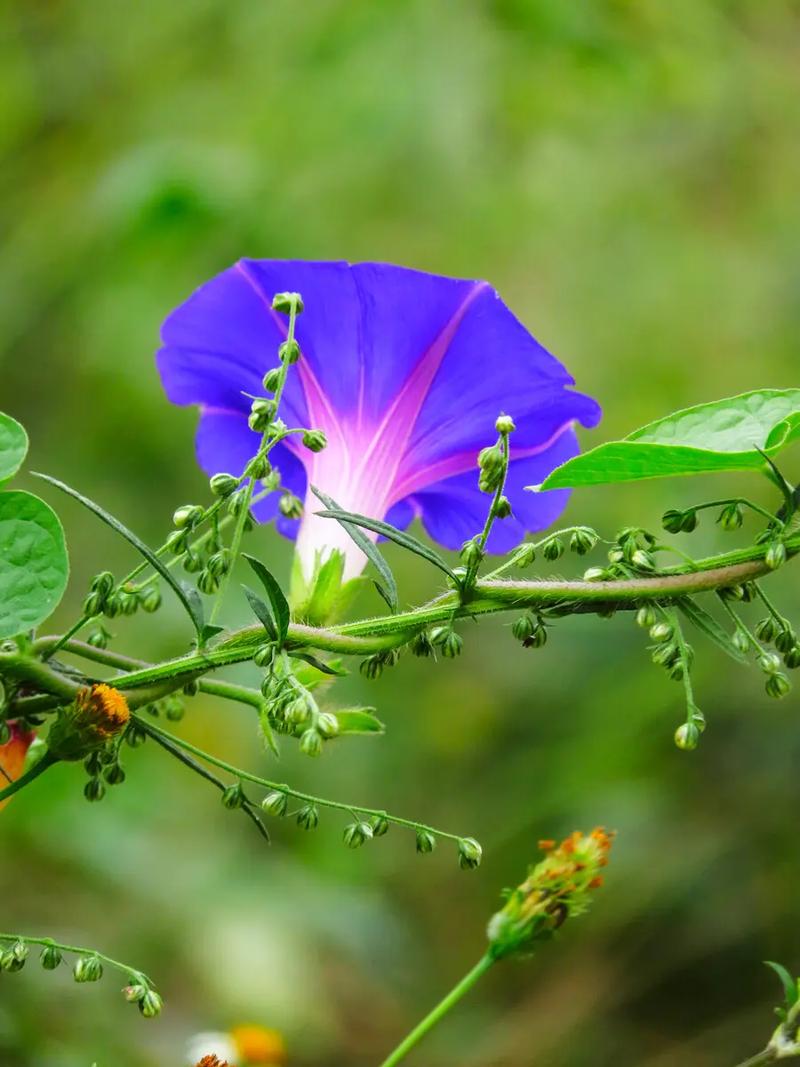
13	446
400	537
789	984
280	606
193	606
710	627
261	612
388	587
731	434
326	668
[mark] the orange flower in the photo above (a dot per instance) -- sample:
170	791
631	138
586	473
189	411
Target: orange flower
12	756
101	709
212	1061
258	1046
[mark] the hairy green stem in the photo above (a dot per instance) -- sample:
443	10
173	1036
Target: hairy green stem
439	1012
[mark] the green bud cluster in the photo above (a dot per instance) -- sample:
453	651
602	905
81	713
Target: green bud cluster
491	464
732	516
290	506
373	666
675	521
449	643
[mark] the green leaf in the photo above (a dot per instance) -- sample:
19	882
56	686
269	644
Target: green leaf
334	668
724	435
192	603
280	606
261	612
388	588
789	984
13	446
310	676
710	627
359	721
34	565
405	540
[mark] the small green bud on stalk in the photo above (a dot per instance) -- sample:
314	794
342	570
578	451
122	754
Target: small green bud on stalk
177	542
233	797
150	600
115	774
50	957
222	485
731	517
595	574
523	627
553	549
289	352
207	583
192	562
525	555
308	817
689	522
471	554
328	725
583	540
741	641
421	645
776	555
687	736
661	631
258	467
94	604
298	711
646	616
426	842
786	640
664	655
134	992
98	638
128	601
470	853
492	464
173	708
315	440
275	803
103	583
87	969
749	592
187	516
94	790
538	639
504	425
263	655
290	506
261	414
502	509
150	1004
379	825
792	658
311	743
769	662
766	629
732	592
357	834
672	520
287	302
219	564
643	560
272	379
777	685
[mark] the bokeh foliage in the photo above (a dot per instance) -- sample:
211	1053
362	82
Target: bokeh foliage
627	175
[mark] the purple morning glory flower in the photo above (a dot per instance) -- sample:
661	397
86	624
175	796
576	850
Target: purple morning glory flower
405	372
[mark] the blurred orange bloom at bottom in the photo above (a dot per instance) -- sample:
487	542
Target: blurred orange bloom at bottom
12	756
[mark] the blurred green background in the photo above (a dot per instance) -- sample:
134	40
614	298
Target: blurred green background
627	174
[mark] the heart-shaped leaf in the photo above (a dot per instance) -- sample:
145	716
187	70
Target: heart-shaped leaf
34	566
13	446
730	434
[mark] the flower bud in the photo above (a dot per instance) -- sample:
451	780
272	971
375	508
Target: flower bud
298	711
661	631
538	639
504	425
786	640
643	560
275	803
687	736
103	583
328	725
50	958
233	797
13	959
272	380
523	627
187	516
379	825
150	1004
672	520
776	555
471	554
222	485
289	352
114	774
646	616
749	592
87	969
173	707
595	574
583	540
315	440
311	743
308	817
741	641
192	561
272	480
134	992
128	601
469	853
150	599
287	302
94	790
426	842
769	662
420	645
777	685
290	506
263	655
176	542
135	736
732	592
553	549
219	563
689	521
731	516
357	834
492	465
664	655
525	554
94	604
261	414
502	509
98	638
792	658
766	629
207	582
